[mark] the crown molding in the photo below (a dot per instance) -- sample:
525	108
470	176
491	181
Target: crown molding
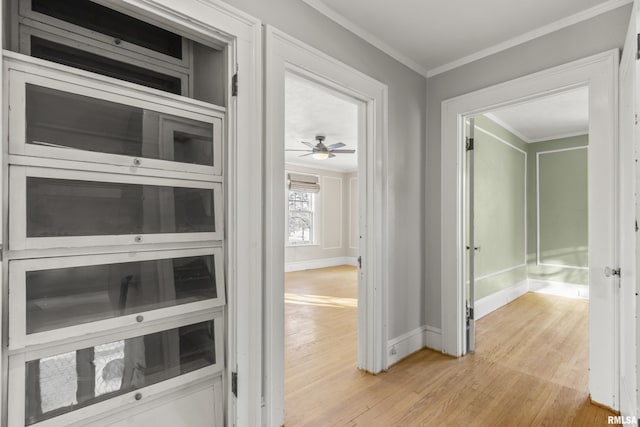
366	36
539	32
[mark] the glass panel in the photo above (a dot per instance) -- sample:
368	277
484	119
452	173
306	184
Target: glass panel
59	384
107	21
56	118
55	52
62	297
62	207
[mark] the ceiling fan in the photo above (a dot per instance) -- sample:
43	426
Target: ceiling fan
320	151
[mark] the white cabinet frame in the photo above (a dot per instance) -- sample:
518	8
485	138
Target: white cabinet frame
21	73
18	337
17	375
18	239
27	14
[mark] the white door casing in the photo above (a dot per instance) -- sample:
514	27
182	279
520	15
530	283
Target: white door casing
286	54
628	237
599	73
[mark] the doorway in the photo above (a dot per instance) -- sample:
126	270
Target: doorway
286	54
321	241
598	73
527	209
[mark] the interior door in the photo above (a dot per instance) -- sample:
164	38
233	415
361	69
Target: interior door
470	301
628	235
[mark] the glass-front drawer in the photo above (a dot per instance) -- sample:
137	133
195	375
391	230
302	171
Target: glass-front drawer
67	120
112	373
59	208
54	299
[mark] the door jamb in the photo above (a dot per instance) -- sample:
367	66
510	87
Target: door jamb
598	72
285	53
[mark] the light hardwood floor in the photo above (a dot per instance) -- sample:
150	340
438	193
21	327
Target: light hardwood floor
530	367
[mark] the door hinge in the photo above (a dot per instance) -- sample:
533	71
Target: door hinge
636	225
469	144
638	46
636	117
234	383
234	85
360	261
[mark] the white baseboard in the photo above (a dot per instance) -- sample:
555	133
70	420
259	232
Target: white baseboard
406	344
433	338
492	302
559	288
319	263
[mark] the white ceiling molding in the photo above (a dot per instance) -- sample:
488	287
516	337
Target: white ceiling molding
558	136
542	31
367	36
505	125
322	167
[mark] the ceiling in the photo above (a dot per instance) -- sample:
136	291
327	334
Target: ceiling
431	36
310	110
551	117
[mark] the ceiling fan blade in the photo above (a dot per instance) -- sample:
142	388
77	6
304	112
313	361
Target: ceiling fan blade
293	149
343	151
336	145
303	155
308	144
331	155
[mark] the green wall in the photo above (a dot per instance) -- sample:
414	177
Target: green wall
506	206
500	224
563	196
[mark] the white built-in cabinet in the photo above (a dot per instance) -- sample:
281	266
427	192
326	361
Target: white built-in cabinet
115	201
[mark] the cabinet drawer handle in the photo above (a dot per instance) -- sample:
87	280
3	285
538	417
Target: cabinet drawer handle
117	41
137	162
138	239
139	318
138	396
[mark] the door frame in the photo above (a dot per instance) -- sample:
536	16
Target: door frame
600	74
284	53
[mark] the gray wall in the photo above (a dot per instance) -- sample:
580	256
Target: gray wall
407	112
596	35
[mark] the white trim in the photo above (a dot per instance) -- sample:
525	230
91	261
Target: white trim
490	303
538	257
287	54
312	264
497	273
336	17
569	290
408	343
433	338
530	35
559	136
600	73
321	168
573	267
505	142
404	345
493	117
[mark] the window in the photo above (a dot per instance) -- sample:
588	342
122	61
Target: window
301	224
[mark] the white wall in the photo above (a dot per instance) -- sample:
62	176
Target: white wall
596	35
333	223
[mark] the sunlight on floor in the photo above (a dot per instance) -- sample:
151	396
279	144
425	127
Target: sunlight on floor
319	300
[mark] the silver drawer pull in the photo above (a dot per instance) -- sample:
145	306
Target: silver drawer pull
139	318
138	396
137	162
138	239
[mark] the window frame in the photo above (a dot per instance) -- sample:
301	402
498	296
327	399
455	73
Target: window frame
315	201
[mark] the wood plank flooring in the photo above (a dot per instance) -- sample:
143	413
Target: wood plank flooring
530	367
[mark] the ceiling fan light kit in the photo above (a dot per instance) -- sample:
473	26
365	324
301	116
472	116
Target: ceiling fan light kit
321	151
